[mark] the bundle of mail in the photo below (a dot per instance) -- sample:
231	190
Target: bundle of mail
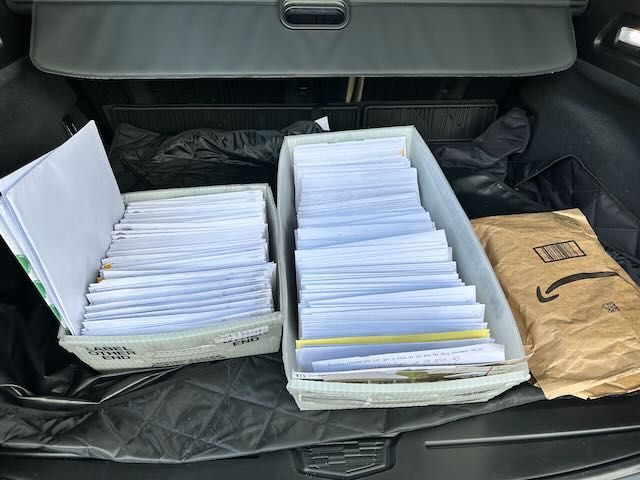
183	263
171	264
379	295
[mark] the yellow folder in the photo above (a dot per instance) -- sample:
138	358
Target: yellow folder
421	337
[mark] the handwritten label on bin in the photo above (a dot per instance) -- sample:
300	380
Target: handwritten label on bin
242	335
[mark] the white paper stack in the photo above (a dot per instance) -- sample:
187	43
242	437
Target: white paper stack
183	263
378	289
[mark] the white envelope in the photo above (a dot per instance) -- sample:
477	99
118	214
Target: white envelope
402	215
326	152
308	295
258	248
208	261
168	252
396	328
155	319
305	356
178	322
422	239
376	229
249	303
394	269
436	296
266	270
201	245
383	256
469	354
355	314
157	293
194	268
189	238
217	198
336	281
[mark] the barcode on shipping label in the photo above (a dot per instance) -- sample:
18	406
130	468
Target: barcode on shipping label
554	252
242	335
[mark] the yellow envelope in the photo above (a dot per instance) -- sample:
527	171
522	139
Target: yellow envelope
421	337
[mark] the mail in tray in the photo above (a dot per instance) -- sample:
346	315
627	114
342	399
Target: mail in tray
379	295
137	273
183	263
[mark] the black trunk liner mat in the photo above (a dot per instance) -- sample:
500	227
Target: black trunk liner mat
226	409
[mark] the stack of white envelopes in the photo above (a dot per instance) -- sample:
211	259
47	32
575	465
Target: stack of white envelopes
378	288
183	263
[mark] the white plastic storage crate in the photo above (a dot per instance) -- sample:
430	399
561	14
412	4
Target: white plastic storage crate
237	338
473	266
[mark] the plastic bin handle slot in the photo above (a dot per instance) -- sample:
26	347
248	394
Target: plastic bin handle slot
314	14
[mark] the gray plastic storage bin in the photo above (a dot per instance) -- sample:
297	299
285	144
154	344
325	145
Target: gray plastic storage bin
238	338
473	266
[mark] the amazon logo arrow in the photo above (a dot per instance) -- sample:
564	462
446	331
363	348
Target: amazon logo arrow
569	279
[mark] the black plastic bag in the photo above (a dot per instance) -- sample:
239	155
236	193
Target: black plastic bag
481	175
144	160
566	183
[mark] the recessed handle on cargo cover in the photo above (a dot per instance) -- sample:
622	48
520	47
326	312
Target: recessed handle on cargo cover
314	14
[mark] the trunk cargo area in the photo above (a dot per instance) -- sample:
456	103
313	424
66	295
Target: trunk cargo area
506	145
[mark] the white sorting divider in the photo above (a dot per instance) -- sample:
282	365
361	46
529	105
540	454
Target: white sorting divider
472	264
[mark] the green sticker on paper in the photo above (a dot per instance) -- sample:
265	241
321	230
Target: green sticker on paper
55	312
24	261
40	287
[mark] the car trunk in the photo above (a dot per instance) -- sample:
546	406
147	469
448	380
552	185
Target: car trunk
561	140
